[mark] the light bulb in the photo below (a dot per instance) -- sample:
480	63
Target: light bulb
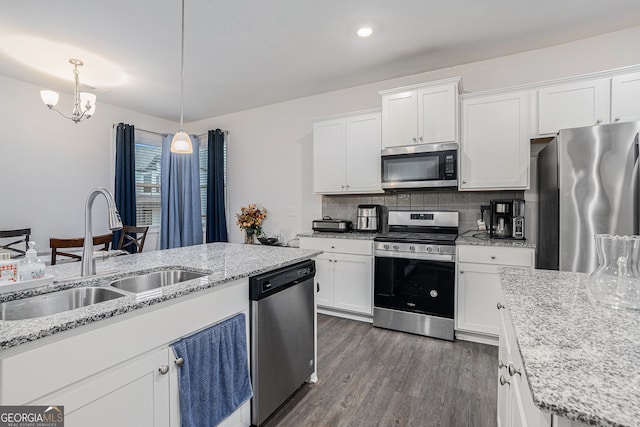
90	98
49	97
181	143
365	32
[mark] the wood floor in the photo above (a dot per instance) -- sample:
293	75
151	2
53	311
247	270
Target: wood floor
375	377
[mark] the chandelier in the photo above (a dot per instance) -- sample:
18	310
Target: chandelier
84	103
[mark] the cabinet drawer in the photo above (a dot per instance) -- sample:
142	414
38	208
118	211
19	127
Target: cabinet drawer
521	257
345	246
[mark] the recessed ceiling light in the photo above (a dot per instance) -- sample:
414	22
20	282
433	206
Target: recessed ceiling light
364	32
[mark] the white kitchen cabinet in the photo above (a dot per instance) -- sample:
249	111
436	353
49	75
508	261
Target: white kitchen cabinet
478	288
515	403
576	104
344	276
625	98
420	114
108	373
494	147
346	154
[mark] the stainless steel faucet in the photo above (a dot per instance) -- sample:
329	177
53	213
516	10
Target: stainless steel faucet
88	267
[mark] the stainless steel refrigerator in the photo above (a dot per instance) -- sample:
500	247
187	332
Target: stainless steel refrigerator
588	184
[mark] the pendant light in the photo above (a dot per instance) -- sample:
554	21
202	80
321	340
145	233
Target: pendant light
181	143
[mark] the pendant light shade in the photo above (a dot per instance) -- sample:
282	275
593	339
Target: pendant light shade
181	143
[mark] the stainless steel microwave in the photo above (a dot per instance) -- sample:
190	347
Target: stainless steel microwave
420	166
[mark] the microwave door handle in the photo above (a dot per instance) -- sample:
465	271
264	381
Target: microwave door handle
367	224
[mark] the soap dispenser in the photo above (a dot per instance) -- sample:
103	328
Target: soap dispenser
31	267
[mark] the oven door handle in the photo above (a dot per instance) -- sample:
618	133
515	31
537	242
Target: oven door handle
408	255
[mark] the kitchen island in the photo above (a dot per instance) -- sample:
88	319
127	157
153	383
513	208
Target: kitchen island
115	356
580	359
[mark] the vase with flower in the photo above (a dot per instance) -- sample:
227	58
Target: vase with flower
250	221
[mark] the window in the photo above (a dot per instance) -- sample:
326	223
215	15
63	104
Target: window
148	157
148	162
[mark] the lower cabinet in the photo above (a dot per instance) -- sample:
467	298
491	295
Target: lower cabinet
344	274
119	371
478	288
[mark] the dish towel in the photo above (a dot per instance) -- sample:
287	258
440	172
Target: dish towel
214	379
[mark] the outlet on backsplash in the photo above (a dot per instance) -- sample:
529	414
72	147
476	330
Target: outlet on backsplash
467	203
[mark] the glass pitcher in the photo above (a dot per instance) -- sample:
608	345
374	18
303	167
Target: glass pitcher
616	281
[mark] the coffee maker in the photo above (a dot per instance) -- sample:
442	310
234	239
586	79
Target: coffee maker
369	218
507	219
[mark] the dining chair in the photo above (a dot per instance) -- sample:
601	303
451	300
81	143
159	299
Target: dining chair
131	236
9	234
77	242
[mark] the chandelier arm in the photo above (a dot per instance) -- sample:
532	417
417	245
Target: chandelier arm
59	112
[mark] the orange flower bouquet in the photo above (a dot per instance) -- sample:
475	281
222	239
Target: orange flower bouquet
250	220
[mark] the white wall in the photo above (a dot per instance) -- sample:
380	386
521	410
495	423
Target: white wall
49	165
269	157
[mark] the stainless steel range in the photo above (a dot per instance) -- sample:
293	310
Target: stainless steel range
414	277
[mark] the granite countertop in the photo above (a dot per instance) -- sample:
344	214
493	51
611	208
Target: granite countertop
480	238
357	235
224	262
581	359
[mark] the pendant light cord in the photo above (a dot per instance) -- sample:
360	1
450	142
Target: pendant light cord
182	73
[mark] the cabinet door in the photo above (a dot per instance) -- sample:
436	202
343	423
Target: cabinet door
324	280
479	291
329	156
135	394
625	98
504	392
400	119
495	142
363	144
573	105
353	284
437	114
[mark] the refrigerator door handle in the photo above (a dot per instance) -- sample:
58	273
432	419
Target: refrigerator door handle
635	190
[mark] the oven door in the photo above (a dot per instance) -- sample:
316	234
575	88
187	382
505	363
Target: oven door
415	285
428	165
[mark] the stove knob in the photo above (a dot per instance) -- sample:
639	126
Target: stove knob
412	248
396	247
386	246
439	249
429	248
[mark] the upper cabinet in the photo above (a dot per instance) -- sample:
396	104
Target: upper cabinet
625	98
572	105
420	114
494	146
346	154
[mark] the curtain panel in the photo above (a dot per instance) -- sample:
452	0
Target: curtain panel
216	212
181	209
125	182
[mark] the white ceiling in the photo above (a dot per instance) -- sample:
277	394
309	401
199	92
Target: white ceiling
247	53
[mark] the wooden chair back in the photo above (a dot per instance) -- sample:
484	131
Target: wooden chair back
23	237
131	236
77	242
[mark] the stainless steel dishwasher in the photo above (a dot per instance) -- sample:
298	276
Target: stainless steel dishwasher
282	335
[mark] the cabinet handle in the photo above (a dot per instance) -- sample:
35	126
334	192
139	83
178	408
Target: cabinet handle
617	119
464	181
342	186
501	364
512	370
415	139
179	362
493	257
598	121
163	369
421	140
500	306
461	271
503	380
317	286
348	186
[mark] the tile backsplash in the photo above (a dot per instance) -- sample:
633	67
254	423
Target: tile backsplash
467	203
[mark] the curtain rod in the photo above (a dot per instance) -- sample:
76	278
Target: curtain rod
114	125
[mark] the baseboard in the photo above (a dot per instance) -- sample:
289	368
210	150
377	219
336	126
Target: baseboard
477	337
345	315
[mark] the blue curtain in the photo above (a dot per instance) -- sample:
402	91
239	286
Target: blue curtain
216	215
125	185
181	212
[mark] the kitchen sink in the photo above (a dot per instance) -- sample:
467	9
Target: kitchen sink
55	302
157	279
